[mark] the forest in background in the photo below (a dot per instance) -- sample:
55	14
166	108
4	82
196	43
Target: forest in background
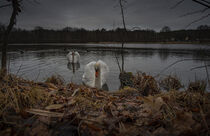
80	35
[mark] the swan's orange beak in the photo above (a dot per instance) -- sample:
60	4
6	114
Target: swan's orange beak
96	73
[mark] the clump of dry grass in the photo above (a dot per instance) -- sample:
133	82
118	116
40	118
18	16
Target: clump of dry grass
17	94
197	86
146	84
128	91
56	80
126	79
171	83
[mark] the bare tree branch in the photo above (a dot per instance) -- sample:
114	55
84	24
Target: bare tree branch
197	20
199	67
204	3
195	12
178	61
33	2
6	5
177	4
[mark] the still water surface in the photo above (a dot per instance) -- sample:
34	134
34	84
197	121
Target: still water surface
40	64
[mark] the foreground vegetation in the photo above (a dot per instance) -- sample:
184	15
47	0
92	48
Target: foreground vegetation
140	108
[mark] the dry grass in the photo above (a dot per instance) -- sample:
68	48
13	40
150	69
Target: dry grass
96	112
146	84
17	94
197	86
171	83
56	80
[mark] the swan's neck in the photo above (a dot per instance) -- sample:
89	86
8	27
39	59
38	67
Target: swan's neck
98	81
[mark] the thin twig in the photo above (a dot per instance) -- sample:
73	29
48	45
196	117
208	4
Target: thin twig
37	76
206	1
195	12
118	63
176	63
177	4
18	70
202	3
197	20
8	65
6	5
199	67
207	73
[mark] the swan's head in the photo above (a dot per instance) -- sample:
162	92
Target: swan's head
97	69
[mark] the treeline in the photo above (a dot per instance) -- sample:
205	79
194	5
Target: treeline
80	35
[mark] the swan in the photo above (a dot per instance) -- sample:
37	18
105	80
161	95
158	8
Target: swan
73	57
95	74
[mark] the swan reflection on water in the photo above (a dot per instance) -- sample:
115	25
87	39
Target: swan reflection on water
73	66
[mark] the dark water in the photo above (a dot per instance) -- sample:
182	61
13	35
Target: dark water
40	63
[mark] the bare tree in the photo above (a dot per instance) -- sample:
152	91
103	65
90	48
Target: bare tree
15	10
206	7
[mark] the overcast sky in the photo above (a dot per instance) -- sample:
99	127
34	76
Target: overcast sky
94	14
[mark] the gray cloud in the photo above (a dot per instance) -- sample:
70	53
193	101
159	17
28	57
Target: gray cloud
93	14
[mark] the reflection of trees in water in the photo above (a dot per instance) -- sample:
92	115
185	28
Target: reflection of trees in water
201	54
47	54
147	53
164	54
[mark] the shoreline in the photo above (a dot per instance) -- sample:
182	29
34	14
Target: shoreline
202	43
171	42
108	46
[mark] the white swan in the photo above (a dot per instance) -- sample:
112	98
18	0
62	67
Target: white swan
95	74
73	57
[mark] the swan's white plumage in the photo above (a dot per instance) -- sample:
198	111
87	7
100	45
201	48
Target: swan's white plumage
76	57
88	77
89	73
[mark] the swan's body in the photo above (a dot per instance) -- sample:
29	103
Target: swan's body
95	74
73	57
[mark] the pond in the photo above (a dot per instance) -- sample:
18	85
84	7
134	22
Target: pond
40	61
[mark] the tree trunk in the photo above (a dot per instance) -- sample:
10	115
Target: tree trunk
15	6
